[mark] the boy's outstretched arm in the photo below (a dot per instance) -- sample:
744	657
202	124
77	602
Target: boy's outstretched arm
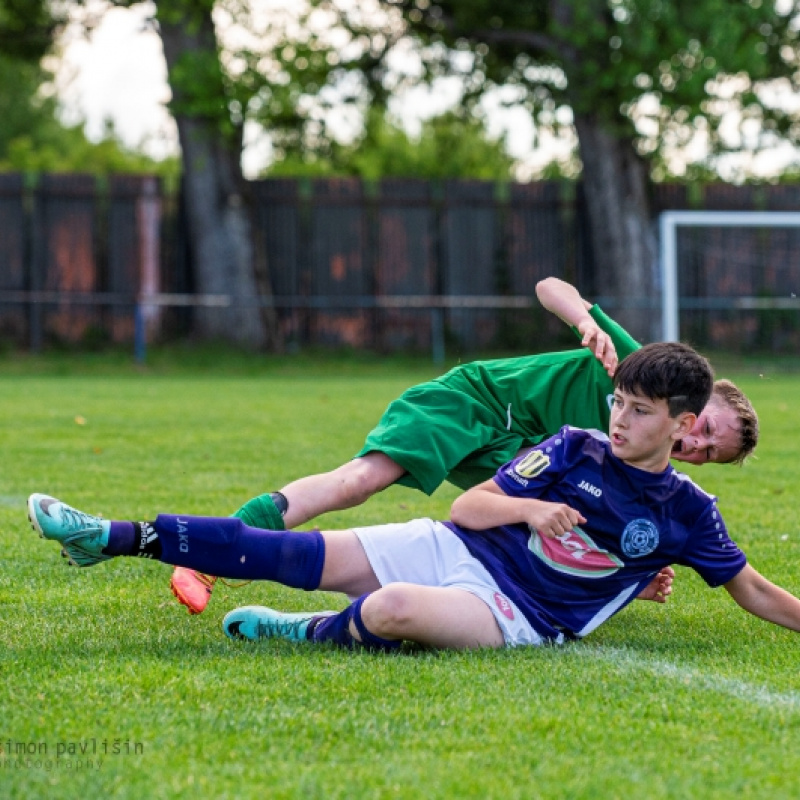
564	300
754	593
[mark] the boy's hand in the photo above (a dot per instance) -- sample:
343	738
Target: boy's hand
553	519
600	344
660	588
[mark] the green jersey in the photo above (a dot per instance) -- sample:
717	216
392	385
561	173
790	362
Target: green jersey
463	426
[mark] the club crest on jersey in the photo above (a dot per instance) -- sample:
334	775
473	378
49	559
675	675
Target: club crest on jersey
574	553
533	464
639	538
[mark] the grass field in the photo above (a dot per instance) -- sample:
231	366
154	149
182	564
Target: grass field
691	700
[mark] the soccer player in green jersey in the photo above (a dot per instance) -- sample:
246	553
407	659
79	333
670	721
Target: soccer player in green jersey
463	426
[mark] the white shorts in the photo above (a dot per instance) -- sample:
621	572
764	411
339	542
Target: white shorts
427	553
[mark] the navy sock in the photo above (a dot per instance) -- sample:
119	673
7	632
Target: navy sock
337	629
334	629
369	639
228	548
133	539
122	539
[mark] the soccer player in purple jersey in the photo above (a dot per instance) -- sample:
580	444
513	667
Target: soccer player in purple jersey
557	542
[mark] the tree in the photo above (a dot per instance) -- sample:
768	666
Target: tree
447	147
215	91
606	60
26	32
227	66
32	138
220	227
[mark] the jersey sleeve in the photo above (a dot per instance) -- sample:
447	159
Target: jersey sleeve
711	552
624	343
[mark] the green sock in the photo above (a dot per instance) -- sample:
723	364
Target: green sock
261	512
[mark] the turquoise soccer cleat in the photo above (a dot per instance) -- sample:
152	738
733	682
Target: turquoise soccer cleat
82	536
258	622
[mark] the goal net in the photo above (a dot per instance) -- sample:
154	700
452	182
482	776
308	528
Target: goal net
731	279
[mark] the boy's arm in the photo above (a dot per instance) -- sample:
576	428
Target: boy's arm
488	506
754	593
564	300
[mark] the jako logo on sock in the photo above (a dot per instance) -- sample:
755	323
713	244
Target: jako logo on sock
183	535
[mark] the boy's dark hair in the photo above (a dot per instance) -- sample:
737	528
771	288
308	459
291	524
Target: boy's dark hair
668	371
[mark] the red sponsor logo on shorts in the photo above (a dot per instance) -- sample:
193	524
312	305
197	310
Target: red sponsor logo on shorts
503	605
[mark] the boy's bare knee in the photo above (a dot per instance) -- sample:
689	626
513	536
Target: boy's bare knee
389	611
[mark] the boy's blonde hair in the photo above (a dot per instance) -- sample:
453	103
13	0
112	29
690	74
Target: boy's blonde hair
727	393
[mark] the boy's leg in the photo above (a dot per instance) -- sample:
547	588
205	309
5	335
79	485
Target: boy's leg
295	559
414	603
192	588
349	485
344	487
431	615
346	568
443	617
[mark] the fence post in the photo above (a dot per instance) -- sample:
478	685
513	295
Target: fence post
139	333
437	335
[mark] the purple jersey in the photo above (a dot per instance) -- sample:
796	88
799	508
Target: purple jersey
637	523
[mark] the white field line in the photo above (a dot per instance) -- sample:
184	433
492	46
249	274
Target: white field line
692	678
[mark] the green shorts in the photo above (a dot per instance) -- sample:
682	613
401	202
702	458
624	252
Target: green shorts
439	434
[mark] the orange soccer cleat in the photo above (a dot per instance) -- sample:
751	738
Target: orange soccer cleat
193	589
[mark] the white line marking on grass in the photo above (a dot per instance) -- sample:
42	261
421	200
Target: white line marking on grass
629	660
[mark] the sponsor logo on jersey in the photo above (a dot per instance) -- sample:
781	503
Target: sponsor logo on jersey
639	538
514	477
533	464
574	553
504	605
590	488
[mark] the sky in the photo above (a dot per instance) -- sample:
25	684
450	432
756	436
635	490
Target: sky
119	74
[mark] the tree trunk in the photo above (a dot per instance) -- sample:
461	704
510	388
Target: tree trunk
218	215
622	229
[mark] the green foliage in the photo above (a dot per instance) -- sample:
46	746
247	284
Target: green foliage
696	60
600	58
447	147
32	138
267	72
27	28
53	147
695	699
22	110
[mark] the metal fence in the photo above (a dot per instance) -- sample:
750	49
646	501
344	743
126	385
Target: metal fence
76	255
397	265
406	263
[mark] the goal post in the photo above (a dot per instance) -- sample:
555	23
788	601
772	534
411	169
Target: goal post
669	224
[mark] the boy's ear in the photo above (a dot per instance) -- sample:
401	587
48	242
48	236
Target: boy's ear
685	421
